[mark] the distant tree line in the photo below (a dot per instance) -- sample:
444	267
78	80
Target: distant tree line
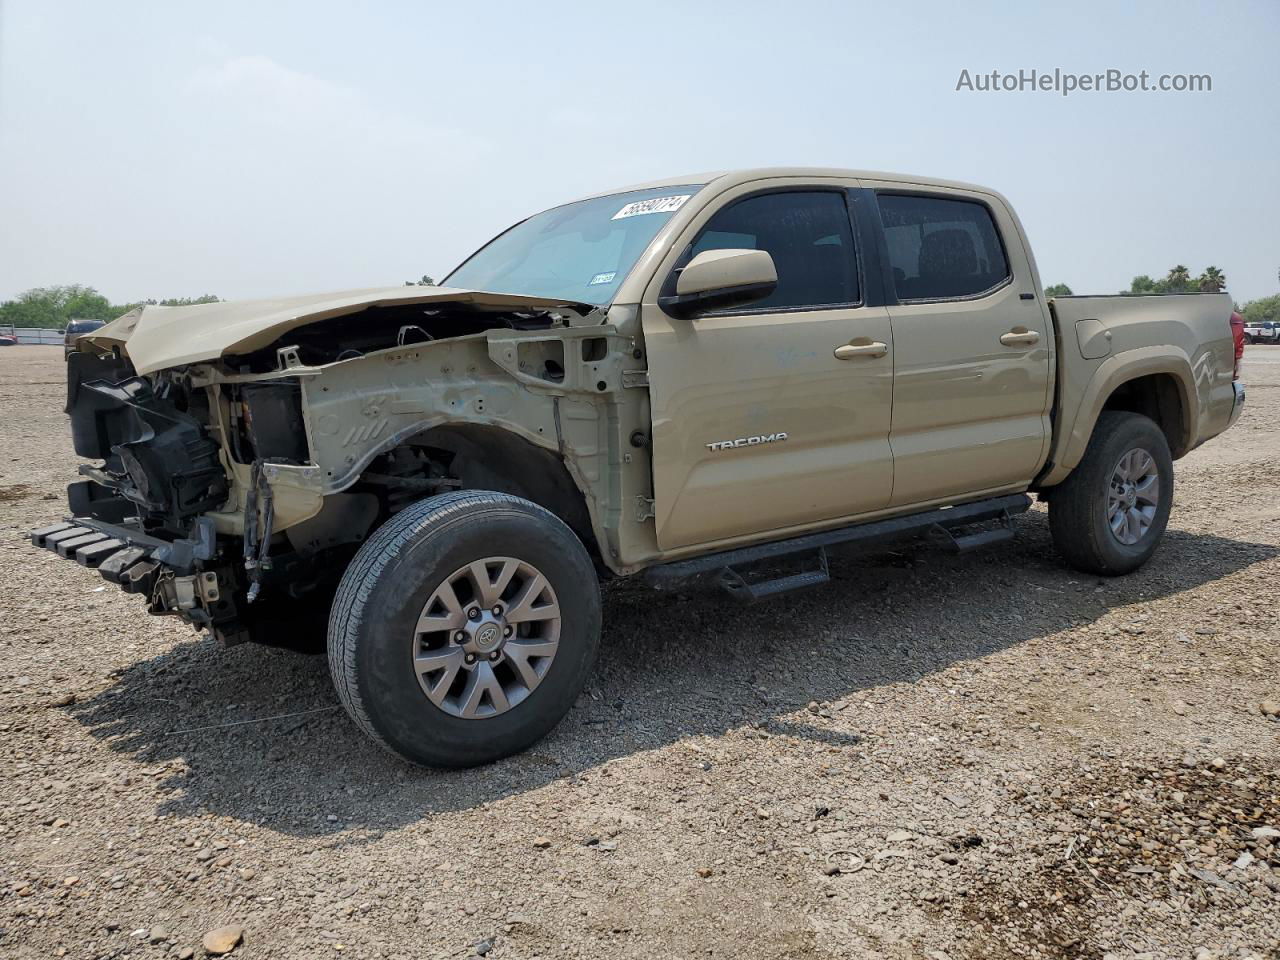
1180	280
53	307
1177	280
1265	308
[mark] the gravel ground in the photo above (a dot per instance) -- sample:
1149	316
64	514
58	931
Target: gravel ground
983	756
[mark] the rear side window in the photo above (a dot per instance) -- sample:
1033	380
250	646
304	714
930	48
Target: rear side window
941	249
809	237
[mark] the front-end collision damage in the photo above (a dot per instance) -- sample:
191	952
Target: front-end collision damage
233	489
169	466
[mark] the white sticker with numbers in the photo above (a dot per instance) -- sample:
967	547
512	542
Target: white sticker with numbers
656	205
600	278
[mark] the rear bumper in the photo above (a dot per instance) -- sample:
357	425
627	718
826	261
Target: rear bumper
1237	405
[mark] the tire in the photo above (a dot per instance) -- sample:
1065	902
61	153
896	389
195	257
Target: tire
382	603
1248	338
1080	514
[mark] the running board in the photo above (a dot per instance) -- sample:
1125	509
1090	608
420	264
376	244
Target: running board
963	543
739	585
722	566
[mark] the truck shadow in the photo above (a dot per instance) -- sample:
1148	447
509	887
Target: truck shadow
671	667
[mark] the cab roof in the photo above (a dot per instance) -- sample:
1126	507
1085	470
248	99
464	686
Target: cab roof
729	178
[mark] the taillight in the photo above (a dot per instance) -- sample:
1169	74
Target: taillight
1237	334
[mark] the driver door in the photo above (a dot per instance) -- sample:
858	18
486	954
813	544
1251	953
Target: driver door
758	427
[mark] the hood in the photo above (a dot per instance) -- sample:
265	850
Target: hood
158	337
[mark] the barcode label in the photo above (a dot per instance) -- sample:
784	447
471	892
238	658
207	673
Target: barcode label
656	205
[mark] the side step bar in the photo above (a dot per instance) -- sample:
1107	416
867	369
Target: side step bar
981	538
741	587
724	567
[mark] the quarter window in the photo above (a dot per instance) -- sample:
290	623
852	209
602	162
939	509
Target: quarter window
809	237
941	249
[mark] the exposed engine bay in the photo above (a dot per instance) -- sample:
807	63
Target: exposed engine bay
179	447
379	327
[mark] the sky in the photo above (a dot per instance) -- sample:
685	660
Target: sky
171	149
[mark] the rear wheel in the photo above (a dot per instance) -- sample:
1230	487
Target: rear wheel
1107	517
464	628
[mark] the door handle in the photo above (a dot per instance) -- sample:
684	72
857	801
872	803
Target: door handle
851	351
1015	338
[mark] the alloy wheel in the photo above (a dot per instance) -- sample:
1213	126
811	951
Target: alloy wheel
486	637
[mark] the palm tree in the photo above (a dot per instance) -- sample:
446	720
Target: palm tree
1179	278
1212	280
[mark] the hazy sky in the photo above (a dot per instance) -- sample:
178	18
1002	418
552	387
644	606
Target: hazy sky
248	149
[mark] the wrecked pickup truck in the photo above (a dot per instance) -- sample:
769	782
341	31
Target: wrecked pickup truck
708	379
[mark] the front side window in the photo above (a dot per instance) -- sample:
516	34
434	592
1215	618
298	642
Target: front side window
941	249
581	251
809	237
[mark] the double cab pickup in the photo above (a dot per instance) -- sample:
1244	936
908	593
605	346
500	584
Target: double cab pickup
712	378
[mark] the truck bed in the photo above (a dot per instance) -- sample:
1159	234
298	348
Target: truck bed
1184	337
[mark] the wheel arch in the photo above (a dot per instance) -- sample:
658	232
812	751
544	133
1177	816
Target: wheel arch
1154	382
487	457
1159	397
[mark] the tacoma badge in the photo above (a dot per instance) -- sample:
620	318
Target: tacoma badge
746	441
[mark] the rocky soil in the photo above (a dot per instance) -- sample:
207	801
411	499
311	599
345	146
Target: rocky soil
986	756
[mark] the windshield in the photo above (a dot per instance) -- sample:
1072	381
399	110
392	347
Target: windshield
581	251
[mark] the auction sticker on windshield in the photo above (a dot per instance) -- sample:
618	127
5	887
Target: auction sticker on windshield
656	205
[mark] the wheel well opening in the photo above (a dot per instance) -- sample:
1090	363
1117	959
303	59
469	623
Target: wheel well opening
1157	397
476	457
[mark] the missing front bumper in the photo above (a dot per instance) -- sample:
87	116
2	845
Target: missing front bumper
179	577
131	565
140	563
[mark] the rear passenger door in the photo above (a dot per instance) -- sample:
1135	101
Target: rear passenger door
972	345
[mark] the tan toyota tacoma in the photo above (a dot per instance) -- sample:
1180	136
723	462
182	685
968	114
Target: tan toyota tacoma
711	378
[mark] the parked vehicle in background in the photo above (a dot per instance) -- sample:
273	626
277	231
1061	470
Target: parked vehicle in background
77	329
1266	331
700	379
8	341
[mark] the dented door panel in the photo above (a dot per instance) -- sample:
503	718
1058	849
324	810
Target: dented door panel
758	423
719	380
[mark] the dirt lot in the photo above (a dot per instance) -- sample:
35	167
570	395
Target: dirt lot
983	756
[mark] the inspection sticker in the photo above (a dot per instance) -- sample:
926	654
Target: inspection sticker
656	205
602	278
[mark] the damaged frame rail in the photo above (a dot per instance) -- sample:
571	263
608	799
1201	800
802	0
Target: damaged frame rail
166	571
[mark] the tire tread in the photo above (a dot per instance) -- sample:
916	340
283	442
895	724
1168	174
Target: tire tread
1075	504
382	549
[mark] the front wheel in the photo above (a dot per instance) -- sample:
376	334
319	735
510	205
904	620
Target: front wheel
465	628
1107	517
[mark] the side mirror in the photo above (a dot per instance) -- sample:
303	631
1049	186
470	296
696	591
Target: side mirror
716	279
